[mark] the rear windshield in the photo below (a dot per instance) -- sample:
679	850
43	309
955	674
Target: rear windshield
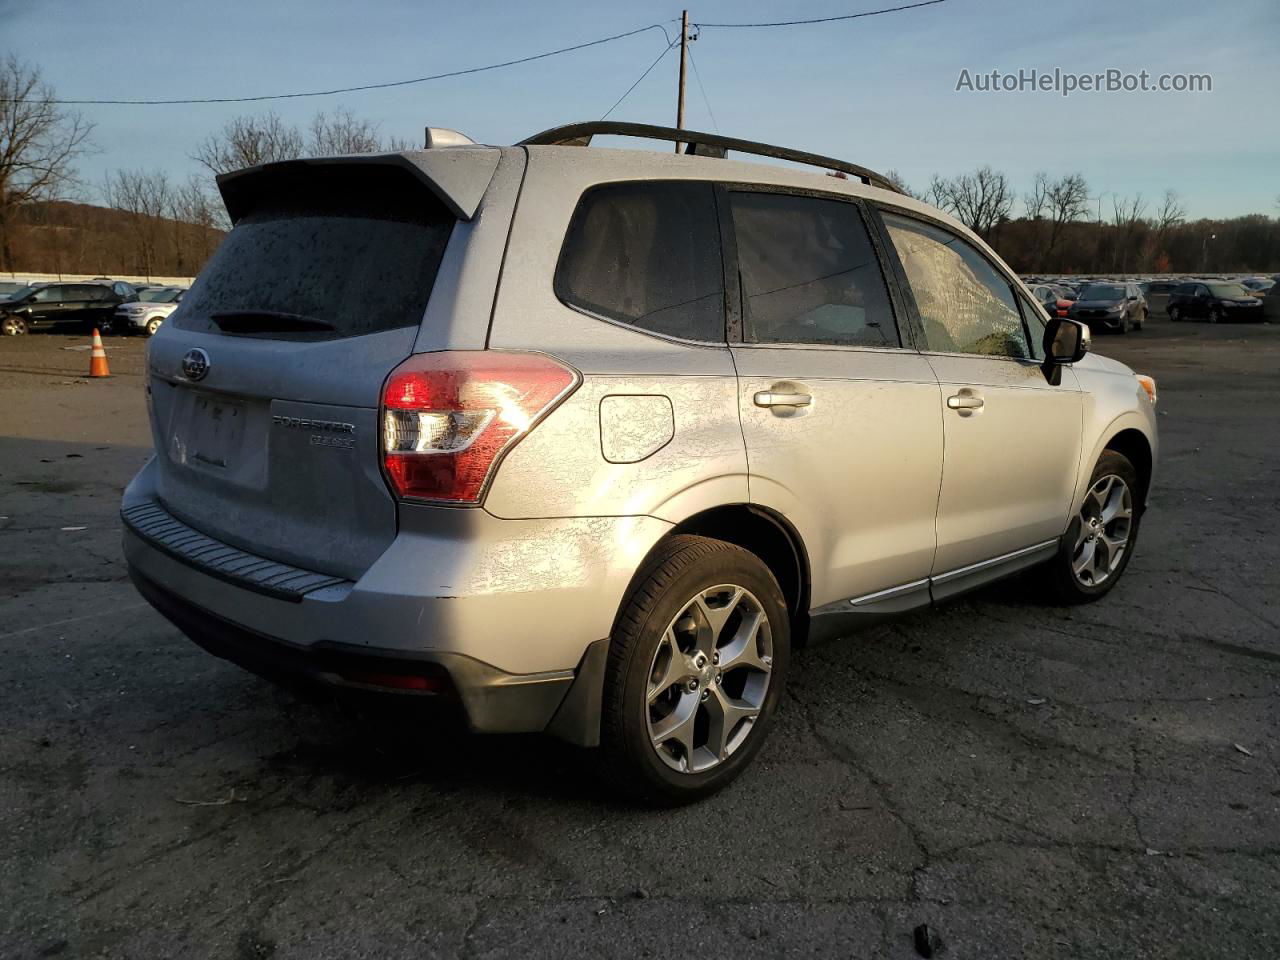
355	248
1101	291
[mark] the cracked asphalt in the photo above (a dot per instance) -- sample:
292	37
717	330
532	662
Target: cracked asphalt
1028	781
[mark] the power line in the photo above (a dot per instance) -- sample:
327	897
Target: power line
367	86
847	16
470	70
648	69
697	76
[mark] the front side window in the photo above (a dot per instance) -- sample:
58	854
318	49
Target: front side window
809	273
965	304
647	254
48	295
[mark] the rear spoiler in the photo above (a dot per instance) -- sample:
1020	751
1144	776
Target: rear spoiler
459	176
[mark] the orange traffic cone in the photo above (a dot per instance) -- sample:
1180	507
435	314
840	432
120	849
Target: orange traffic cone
98	357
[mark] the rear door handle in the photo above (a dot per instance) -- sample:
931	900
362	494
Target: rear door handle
965	402
767	398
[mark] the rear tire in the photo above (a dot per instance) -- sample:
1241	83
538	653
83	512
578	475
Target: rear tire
1175	314
697	664
1086	566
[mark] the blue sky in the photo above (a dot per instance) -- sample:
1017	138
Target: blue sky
878	91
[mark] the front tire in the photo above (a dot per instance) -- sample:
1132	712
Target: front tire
1097	547
153	325
13	327
697	664
1215	315
1175	314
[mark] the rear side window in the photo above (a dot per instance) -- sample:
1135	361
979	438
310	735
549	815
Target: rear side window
647	254
965	304
809	273
356	247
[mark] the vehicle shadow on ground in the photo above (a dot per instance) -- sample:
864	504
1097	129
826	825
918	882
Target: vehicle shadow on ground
392	742
400	744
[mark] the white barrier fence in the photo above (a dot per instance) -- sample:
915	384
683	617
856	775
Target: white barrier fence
82	277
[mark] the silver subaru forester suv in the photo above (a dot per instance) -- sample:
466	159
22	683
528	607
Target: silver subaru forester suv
587	441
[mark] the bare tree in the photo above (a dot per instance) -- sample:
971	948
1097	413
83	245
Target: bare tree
198	219
1170	214
981	200
146	197
895	178
1037	201
1126	217
341	133
39	142
248	141
1067	200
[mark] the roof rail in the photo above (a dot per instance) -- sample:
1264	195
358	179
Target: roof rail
699	144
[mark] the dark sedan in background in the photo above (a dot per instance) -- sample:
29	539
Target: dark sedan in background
1117	307
1213	300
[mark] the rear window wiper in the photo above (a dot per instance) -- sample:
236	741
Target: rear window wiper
261	321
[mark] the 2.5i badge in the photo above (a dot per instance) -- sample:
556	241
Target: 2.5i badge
324	433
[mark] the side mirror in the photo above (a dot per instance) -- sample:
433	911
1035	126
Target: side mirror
1065	341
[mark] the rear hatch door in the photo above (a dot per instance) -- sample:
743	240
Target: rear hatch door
265	383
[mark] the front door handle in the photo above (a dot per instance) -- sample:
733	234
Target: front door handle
767	398
965	402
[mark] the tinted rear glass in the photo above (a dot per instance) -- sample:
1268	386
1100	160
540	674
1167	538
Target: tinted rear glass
647	254
356	247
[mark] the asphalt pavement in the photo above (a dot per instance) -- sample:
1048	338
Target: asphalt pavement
1028	781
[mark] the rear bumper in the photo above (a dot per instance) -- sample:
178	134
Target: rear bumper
500	615
491	700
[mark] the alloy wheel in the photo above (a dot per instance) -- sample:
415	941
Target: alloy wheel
708	679
13	327
1106	525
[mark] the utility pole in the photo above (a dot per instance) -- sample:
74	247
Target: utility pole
684	56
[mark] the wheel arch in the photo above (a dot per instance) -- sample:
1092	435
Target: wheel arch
772	538
763	532
1133	444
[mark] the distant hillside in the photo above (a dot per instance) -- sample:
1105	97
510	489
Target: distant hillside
65	237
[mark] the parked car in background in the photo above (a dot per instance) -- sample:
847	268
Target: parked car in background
1213	300
148	311
1258	286
608	505
61	306
1110	306
1271	305
9	287
1053	298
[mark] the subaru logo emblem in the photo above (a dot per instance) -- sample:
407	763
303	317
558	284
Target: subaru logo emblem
195	364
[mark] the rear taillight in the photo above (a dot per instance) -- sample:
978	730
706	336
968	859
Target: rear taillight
449	417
